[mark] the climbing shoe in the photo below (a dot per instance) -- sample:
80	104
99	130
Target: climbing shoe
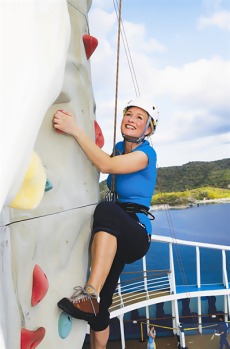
83	304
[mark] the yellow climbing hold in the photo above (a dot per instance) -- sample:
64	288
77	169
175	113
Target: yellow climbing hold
32	189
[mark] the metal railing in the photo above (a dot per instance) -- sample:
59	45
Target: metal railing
156	286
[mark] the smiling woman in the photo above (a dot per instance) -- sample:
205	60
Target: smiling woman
121	228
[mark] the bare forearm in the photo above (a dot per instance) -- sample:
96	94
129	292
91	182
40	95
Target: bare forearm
96	155
66	122
132	162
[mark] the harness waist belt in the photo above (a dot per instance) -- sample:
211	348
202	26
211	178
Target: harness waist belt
131	207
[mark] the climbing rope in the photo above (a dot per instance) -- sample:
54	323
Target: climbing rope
117	74
128	54
113	195
121	33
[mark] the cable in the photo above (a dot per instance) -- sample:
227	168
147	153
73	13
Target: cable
129	57
50	214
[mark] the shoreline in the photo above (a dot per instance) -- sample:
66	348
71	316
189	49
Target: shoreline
196	203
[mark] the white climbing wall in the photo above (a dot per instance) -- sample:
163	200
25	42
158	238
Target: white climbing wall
44	250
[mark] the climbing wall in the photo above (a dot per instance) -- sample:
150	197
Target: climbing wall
50	185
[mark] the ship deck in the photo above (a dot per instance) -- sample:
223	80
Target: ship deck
192	342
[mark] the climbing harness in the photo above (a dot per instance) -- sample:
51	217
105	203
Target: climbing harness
132	208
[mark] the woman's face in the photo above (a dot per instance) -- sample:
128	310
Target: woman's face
134	122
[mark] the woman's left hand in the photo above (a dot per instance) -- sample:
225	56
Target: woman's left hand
64	121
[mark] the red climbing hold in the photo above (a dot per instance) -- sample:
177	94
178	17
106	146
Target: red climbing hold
90	44
31	339
99	138
40	285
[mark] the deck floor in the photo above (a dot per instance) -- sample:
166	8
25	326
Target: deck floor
135	297
192	342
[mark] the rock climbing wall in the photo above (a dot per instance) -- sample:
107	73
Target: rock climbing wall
46	179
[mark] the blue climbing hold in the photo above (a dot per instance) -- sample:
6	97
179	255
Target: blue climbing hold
64	325
49	185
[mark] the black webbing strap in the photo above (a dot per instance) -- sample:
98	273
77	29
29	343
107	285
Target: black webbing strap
131	207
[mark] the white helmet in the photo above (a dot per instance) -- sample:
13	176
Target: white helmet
151	109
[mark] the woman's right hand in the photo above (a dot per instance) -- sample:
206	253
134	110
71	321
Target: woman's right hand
64	121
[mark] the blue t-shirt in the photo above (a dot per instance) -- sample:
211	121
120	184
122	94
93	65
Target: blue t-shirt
150	340
137	187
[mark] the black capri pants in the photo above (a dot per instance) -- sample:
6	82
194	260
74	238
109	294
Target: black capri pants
132	244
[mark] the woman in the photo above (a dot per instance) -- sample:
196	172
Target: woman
223	332
121	230
151	340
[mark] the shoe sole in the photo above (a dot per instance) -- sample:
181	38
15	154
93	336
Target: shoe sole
68	307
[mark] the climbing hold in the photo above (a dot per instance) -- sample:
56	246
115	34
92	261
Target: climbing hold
31	339
49	185
99	138
40	285
90	44
64	325
32	189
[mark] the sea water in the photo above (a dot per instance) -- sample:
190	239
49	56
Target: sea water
208	223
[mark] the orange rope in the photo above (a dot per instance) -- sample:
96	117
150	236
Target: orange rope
116	90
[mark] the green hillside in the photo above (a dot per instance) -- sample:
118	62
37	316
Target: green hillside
190	196
194	175
180	182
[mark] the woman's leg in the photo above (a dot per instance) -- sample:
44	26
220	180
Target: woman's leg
103	251
125	242
84	302
99	339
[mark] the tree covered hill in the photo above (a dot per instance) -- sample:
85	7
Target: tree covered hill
192	175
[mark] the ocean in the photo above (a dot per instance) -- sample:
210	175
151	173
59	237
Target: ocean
208	223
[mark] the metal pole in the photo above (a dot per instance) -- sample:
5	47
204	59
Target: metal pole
141	333
122	331
199	315
182	337
146	289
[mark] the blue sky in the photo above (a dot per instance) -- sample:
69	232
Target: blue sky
180	51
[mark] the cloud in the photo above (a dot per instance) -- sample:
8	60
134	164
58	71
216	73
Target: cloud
138	40
212	4
193	97
105	4
206	81
200	149
102	22
219	19
193	100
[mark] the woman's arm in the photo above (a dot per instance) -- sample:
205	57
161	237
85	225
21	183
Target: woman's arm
122	164
152	333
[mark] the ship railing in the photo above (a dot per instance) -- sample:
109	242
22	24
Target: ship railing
153	283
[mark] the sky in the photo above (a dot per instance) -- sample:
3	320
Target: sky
180	54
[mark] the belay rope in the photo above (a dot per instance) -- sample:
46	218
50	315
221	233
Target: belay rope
111	194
